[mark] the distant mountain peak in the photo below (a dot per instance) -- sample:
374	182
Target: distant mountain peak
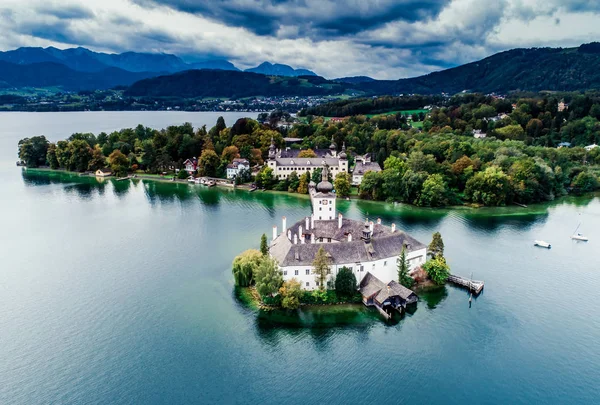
279	69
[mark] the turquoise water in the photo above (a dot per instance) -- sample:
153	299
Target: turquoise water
120	292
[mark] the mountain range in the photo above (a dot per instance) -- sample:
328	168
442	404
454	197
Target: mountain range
163	75
85	60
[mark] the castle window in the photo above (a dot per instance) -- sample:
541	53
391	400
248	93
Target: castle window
295	272
307	284
385	263
307	272
329	240
320	239
317	283
285	272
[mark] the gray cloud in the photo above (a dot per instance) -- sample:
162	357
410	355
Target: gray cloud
382	38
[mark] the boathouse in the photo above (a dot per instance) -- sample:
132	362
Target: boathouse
385	297
104	172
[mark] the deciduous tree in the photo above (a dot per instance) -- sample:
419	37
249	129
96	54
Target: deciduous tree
244	266
268	278
321	267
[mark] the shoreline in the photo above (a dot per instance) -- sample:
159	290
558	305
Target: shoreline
514	208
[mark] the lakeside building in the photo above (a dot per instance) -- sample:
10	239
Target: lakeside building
284	162
191	165
363	247
363	164
104	172
234	168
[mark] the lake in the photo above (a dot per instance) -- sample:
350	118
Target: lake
121	293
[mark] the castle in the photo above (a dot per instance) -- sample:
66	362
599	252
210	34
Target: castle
363	247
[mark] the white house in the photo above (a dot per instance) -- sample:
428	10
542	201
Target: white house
590	147
284	162
363	164
234	168
191	165
363	247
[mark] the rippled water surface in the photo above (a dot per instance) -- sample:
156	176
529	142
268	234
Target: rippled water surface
120	292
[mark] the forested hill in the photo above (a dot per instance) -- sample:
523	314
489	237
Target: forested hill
220	83
535	69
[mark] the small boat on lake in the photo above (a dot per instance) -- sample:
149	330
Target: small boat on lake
577	236
211	183
542	243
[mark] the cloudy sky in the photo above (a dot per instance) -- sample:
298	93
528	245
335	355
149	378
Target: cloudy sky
385	39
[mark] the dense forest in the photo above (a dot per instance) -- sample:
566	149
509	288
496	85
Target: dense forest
518	161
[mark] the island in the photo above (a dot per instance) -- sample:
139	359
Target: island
339	260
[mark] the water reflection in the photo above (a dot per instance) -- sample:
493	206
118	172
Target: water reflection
432	296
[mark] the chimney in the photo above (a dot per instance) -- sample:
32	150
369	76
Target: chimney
349	237
284	221
312	238
378	221
307	223
274	232
289	234
340	221
312	221
393	228
295	239
371	226
300	231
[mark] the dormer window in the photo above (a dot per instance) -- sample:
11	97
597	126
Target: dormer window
291	162
308	162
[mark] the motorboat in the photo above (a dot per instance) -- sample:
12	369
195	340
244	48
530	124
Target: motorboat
542	243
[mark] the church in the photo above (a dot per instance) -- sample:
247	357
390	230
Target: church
363	247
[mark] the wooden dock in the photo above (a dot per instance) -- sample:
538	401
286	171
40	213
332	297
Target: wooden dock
473	285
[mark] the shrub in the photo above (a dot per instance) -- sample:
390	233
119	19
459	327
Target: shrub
345	282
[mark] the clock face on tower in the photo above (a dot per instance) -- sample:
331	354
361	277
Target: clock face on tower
325	202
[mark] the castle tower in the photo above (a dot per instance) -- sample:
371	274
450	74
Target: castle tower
323	200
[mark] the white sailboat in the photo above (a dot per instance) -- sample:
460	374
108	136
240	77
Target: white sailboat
577	236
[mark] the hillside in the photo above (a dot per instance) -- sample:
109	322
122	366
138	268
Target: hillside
532	69
50	74
278	69
220	83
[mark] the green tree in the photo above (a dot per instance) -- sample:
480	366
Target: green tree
265	179
244	266
118	163
294	182
182	174
321	267
81	155
98	160
342	184
264	247
230	153
268	278
371	186
490	187
33	151
308	153
437	269
585	182
345	282
403	269
290	292
51	157
436	247
303	183
209	163
434	192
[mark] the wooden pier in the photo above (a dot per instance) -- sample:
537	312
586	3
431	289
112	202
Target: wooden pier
473	285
